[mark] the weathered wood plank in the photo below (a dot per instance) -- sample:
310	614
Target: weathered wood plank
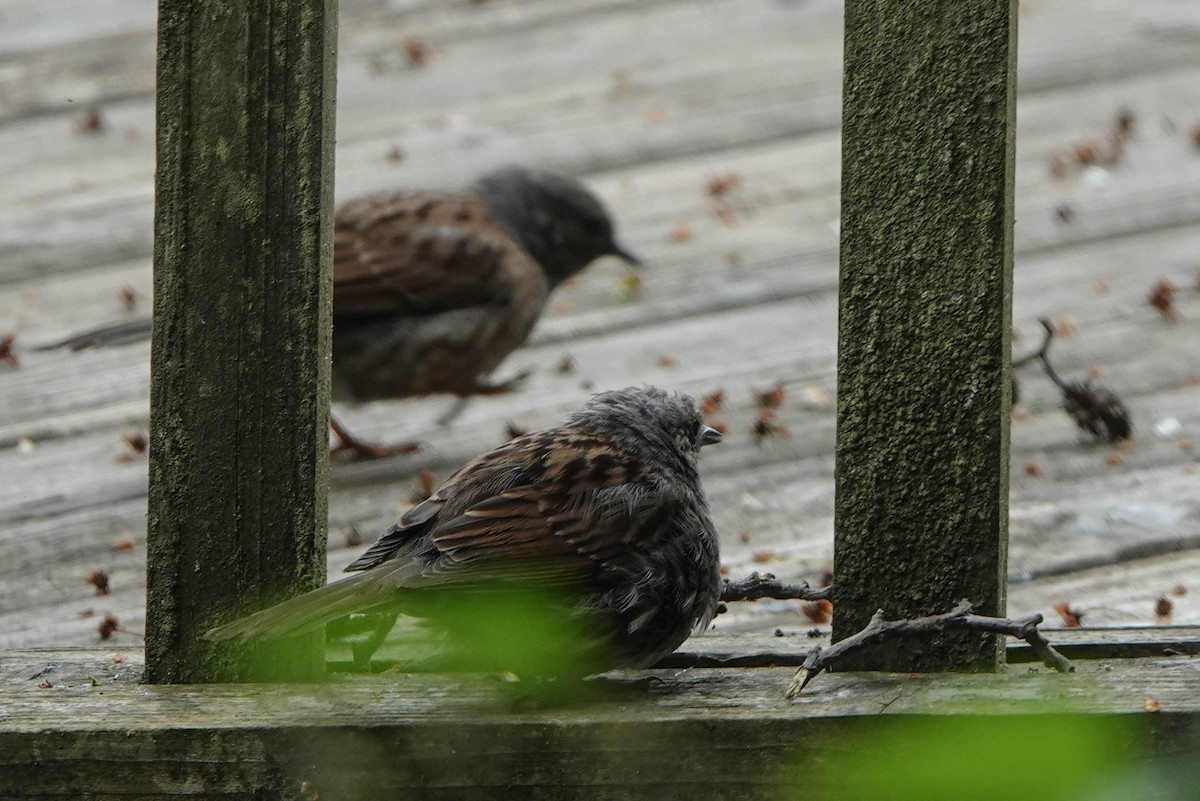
75	222
925	310
455	736
239	396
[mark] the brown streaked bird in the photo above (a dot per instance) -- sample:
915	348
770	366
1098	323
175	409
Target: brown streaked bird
433	290
602	522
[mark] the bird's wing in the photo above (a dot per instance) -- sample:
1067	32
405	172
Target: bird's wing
419	253
547	509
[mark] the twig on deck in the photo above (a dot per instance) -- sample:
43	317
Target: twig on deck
960	617
765	585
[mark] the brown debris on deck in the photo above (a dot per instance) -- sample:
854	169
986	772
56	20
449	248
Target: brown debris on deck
732	88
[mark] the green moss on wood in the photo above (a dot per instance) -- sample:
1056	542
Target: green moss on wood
240	360
925	312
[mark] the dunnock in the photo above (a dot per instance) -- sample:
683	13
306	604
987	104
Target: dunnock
600	523
432	290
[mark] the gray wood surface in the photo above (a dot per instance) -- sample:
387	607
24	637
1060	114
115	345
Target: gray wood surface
722	732
924	315
648	102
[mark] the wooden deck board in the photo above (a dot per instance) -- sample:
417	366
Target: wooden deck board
76	722
752	87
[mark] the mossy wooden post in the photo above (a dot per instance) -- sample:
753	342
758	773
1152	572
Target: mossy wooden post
240	359
925	313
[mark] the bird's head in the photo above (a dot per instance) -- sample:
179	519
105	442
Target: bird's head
557	219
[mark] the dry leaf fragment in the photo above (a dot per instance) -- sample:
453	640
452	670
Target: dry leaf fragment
818	611
765	425
1151	704
1033	468
666	360
712	401
99	580
681	232
108	625
1163	608
762	557
1115	460
426	481
771	398
1123	124
87	122
417	51
136	441
122	545
722	212
1071	618
7	356
1162	298
1087	151
723	182
127	297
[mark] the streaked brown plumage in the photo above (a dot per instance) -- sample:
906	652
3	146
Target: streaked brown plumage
433	290
605	513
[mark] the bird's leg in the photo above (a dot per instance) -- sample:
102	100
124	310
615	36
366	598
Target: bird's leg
480	387
451	414
361	449
486	388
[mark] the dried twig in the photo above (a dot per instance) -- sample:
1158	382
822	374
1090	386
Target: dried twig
1094	408
765	585
960	617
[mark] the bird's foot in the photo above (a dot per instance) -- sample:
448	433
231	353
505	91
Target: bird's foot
501	387
482	388
363	450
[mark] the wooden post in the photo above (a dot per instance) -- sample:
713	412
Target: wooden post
240	358
925	315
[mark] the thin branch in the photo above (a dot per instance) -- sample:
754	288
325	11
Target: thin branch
958	618
765	585
1042	354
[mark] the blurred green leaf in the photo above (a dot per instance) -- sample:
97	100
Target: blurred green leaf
971	758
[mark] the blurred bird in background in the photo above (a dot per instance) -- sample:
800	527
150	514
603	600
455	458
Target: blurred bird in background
433	290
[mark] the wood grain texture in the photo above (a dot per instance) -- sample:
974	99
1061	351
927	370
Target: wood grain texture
725	732
925	310
239	392
751	86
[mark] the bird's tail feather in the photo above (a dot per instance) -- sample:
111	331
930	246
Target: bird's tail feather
310	611
123	333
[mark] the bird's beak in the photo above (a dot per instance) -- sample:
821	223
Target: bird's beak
709	436
621	252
